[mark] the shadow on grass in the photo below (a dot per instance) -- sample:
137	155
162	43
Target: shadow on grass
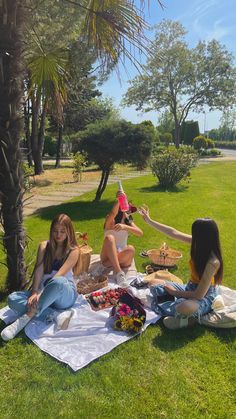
3	294
158	188
224	335
171	340
77	211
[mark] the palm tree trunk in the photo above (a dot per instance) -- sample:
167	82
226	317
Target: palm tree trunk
27	132
41	139
59	146
12	18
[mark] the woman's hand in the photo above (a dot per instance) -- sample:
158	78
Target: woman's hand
144	212
171	290
33	300
119	227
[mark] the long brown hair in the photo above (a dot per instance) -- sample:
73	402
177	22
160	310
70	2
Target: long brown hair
205	242
68	244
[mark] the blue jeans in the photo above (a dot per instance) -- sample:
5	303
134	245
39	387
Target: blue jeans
168	308
59	293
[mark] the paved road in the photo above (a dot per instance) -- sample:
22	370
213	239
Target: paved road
229	153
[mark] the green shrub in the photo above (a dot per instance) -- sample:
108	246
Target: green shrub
27	172
78	164
199	142
213	152
50	146
231	145
173	165
166	138
189	130
210	143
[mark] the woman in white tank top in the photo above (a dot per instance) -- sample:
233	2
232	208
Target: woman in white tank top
116	253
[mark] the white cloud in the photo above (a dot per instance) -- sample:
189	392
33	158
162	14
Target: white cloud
204	24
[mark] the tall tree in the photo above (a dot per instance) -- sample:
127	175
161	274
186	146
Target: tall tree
109	25
12	15
181	79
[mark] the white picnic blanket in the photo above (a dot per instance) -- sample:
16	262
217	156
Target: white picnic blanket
88	336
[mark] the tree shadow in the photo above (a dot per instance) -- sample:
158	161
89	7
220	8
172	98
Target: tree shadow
70	182
79	210
40	183
160	189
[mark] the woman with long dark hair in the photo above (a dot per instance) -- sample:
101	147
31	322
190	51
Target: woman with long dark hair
193	300
53	283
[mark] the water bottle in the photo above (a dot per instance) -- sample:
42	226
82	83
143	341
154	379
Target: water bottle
122	198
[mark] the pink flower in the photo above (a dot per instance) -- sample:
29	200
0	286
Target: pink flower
124	310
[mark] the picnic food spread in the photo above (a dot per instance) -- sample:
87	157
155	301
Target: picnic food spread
99	300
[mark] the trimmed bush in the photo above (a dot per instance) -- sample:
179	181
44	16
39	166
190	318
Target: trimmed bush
210	143
200	142
173	165
166	138
212	152
231	145
189	130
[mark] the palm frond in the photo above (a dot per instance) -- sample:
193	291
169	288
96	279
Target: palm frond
112	26
48	77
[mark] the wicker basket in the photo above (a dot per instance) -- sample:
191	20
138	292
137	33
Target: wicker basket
90	284
84	259
164	256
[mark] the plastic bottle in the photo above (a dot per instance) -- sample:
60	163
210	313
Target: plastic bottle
122	198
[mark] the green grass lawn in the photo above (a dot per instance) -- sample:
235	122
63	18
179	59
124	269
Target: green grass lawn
161	374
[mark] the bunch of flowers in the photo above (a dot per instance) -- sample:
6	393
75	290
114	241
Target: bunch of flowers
82	238
127	319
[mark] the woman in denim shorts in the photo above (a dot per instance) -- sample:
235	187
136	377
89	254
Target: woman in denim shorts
182	305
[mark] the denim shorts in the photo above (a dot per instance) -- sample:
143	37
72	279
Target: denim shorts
168	307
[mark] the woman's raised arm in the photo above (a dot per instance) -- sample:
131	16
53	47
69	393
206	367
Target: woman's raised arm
163	228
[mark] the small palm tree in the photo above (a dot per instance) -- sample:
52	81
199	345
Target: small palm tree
47	72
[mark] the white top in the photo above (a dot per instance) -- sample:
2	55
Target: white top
121	238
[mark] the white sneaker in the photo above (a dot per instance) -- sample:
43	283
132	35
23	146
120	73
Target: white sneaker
121	280
13	329
63	319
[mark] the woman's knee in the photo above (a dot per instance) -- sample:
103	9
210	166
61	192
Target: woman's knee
17	301
187	307
131	249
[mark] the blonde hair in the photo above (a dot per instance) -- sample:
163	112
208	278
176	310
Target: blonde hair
69	243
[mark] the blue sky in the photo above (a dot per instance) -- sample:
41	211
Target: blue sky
204	20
